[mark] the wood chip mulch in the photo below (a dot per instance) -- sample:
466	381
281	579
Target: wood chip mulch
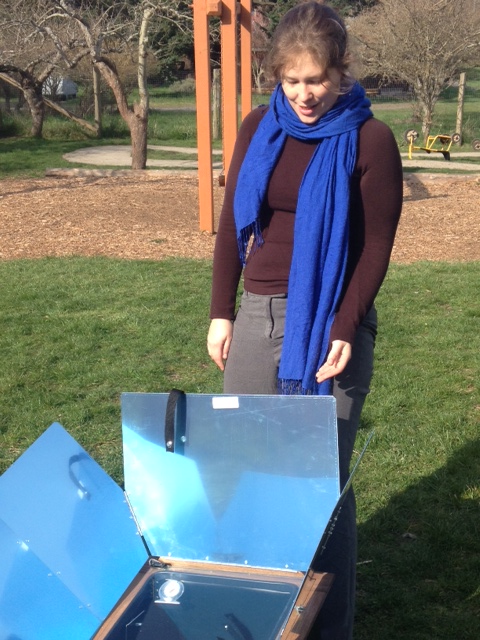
155	215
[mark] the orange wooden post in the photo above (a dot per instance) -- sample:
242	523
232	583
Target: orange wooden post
246	56
201	11
229	80
227	10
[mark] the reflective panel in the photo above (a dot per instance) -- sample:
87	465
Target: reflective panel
64	514
34	603
253	479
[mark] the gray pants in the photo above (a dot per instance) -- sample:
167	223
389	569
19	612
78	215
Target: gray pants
252	367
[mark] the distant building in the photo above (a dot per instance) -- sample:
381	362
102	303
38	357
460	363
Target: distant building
59	88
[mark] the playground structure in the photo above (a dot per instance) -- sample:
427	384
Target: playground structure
235	31
440	143
236	63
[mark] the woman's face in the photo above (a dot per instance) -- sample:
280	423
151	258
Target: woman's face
310	89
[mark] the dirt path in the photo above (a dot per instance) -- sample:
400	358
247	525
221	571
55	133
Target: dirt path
156	215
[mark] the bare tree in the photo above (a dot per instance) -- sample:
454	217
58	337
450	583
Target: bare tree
423	43
40	36
29	55
260	41
37	116
8	93
108	28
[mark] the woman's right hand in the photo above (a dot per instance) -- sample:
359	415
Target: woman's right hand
218	341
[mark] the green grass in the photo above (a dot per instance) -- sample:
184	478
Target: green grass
399	115
30	158
419	490
65	325
77	332
25	157
399	118
172	122
21	155
173	98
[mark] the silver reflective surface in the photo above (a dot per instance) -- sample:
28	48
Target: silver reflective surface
68	544
34	602
253	480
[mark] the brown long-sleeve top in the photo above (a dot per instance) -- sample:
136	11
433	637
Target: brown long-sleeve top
375	206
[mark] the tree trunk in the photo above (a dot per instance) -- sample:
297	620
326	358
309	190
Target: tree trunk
426	121
427	103
139	128
423	97
8	94
34	98
216	104
31	91
136	118
138	134
53	105
20	102
97	101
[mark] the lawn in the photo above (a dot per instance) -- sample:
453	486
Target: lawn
172	122
77	332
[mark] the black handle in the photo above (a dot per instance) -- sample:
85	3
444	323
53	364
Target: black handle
176	399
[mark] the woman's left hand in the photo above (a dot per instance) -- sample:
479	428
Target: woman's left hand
337	360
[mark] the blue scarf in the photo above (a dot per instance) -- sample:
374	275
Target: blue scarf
321	224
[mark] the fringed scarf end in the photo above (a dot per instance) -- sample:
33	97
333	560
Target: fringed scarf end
249	239
295	388
292	388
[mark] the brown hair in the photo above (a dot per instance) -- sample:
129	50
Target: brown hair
309	28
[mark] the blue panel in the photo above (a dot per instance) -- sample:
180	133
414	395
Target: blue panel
174	512
253	481
27	590
263	502
72	516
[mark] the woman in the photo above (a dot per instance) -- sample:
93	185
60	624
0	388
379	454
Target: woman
311	207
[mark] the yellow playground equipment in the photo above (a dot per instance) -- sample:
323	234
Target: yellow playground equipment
435	144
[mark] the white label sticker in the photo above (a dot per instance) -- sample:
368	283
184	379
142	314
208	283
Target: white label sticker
225	402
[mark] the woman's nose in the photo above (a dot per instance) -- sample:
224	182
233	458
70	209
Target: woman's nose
304	92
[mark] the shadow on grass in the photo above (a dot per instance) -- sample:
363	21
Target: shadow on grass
419	558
